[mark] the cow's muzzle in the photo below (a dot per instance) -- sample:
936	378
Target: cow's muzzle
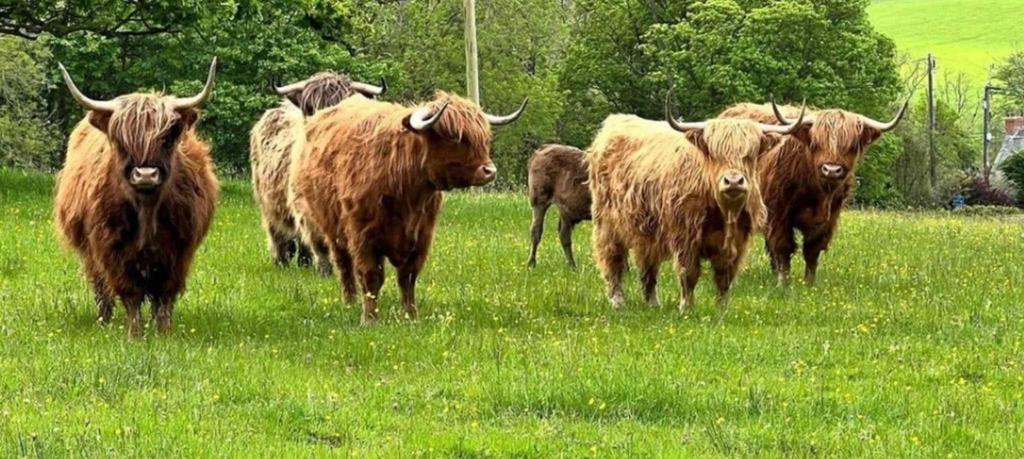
833	171
733	185
485	174
145	178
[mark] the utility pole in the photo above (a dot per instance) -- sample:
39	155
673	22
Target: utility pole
933	159
986	105
472	69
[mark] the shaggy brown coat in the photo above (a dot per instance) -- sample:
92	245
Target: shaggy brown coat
656	194
798	196
274	140
373	186
557	175
136	245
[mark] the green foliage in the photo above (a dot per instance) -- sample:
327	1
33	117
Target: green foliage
1011	73
1013	169
909	345
26	137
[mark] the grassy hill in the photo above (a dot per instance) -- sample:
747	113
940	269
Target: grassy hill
965	35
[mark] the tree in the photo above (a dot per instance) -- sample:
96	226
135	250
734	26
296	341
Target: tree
26	137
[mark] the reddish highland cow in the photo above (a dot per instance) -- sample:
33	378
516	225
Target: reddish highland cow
135	198
276	137
558	175
658	193
372	177
807	178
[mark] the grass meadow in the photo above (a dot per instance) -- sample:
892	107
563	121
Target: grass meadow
909	345
965	35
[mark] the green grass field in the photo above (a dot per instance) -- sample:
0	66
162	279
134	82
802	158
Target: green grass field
965	35
910	345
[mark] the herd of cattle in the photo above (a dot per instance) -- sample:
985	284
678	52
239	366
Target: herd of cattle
345	181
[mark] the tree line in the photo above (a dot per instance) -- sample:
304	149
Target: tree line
577	60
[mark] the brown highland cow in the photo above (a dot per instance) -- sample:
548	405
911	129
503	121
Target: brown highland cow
808	176
558	175
275	138
692	196
135	198
372	177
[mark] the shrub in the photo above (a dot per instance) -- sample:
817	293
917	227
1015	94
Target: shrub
1013	169
979	191
988	211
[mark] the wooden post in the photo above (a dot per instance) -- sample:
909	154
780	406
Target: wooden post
472	69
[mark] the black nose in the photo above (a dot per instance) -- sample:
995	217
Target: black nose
833	171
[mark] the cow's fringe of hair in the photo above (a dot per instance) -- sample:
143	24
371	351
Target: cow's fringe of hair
323	90
140	121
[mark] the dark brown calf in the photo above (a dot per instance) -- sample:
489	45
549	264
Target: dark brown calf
558	175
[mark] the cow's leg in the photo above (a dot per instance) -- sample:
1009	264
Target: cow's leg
688	270
343	260
305	254
407	274
536	231
371	272
565	225
133	310
725	272
163	312
781	245
104	299
648	267
610	255
322	256
813	246
280	246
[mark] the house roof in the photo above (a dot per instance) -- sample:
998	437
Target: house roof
1011	144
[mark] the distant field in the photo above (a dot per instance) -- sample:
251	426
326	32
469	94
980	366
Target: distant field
909	346
965	35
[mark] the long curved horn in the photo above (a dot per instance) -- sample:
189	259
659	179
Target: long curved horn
885	127
198	99
787	121
369	89
290	88
503	120
786	128
425	117
87	103
677	124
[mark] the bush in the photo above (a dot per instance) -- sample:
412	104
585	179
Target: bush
988	211
979	191
27	139
1013	169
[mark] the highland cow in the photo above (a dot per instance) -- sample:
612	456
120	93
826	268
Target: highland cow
658	193
558	175
135	198
808	176
371	180
276	137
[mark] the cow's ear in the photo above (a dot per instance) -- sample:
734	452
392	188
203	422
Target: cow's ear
803	134
768	141
293	97
99	119
869	136
189	116
696	137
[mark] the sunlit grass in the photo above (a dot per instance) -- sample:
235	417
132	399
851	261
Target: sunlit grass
910	344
